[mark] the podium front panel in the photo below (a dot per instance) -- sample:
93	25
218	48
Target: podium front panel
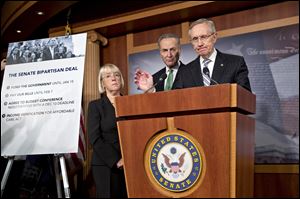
213	117
213	132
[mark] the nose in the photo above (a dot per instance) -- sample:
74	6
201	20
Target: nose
200	42
169	54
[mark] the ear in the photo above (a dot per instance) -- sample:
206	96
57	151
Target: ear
216	36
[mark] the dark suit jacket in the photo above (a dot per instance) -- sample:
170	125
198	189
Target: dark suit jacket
227	69
47	54
11	60
103	133
157	75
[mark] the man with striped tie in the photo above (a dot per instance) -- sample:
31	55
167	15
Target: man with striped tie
211	66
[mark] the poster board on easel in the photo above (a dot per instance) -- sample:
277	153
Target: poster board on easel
41	96
41	100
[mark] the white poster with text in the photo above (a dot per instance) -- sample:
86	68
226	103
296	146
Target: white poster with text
41	96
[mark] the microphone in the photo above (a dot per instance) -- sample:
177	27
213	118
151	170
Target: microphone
161	78
206	72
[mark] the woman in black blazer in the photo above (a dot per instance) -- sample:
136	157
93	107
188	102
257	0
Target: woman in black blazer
107	163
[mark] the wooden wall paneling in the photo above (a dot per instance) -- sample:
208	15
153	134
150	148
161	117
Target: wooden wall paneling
259	26
277	168
229	24
276	180
144	37
184	33
271	185
116	53
257	15
147	40
132	17
131	49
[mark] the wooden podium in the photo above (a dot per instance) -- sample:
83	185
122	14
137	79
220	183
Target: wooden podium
213	119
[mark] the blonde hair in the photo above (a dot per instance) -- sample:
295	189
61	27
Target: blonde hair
105	69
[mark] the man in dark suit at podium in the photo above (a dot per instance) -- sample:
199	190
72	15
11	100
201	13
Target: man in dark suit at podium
210	67
169	49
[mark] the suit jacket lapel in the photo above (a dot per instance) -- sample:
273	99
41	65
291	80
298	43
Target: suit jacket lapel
218	68
196	72
160	85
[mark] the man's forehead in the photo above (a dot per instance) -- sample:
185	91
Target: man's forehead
170	39
168	44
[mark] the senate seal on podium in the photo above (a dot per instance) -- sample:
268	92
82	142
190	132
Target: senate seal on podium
174	162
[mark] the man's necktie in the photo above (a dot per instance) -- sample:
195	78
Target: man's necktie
169	80
206	77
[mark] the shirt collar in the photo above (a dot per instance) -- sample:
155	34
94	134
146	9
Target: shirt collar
212	57
174	67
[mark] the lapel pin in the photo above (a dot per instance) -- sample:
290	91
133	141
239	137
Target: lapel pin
222	65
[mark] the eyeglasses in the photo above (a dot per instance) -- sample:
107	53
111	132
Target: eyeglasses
202	38
110	75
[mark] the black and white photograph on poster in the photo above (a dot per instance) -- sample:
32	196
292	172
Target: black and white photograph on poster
41	96
40	50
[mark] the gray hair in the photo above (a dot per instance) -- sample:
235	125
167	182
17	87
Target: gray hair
166	36
104	69
210	23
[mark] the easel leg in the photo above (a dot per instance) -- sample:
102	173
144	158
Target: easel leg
57	176
64	176
6	174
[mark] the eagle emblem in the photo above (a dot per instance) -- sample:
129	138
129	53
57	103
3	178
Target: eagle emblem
174	166
174	161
